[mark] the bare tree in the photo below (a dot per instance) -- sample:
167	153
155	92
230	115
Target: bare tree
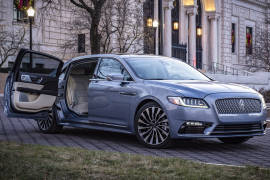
260	58
118	28
10	42
129	26
94	9
122	27
106	28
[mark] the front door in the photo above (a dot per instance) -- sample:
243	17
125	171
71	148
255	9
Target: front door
109	99
31	87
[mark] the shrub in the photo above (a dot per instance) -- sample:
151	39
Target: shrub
266	94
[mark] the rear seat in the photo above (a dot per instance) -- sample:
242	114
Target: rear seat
77	91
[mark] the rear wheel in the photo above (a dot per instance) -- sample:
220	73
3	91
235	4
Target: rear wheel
49	125
234	140
152	126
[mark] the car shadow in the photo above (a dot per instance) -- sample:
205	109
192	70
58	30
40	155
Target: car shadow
195	145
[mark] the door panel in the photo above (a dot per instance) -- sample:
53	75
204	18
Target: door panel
29	101
32	84
109	100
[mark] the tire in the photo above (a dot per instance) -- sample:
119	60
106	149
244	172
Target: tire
49	125
234	140
152	126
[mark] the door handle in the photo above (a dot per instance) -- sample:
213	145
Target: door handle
128	93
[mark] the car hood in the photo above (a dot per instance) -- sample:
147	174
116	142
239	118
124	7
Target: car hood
200	89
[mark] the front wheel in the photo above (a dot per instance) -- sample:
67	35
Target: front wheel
234	140
49	125
152	126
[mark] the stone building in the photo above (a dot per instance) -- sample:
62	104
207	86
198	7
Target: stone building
50	31
204	33
216	32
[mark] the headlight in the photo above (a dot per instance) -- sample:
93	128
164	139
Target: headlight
263	101
188	102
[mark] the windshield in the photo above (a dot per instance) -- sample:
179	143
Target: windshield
162	68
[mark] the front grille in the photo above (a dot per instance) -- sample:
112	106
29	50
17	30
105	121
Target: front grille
230	129
238	106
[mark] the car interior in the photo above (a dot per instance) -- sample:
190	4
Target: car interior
34	78
77	87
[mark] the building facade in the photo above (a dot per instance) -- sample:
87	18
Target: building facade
205	33
216	32
50	31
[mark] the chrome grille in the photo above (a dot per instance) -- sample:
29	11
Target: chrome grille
238	106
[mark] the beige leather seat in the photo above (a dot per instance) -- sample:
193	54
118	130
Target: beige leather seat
77	91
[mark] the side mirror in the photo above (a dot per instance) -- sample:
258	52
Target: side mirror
115	77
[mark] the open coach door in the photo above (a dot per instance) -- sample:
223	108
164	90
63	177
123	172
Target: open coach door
32	85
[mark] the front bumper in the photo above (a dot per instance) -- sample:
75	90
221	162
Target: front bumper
215	125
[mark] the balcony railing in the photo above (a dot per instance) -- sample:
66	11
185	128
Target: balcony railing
218	68
179	51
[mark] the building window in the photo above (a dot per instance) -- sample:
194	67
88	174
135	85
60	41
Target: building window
249	40
81	43
233	37
10	64
19	9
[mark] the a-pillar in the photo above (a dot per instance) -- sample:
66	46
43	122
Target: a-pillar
191	11
167	43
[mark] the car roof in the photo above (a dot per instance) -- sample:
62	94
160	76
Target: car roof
107	55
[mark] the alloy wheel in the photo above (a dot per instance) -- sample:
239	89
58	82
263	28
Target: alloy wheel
46	124
153	126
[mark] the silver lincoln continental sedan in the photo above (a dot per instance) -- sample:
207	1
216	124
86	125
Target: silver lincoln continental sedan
156	98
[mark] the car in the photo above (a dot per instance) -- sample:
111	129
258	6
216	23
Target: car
156	98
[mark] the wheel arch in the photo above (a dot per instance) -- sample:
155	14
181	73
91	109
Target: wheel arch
140	104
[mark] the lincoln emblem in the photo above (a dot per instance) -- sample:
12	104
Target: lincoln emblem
242	104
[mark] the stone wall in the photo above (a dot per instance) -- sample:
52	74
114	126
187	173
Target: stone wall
51	30
3	77
226	20
243	13
256	81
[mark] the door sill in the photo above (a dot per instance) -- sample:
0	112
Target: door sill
94	123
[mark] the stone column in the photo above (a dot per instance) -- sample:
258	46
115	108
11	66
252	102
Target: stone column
182	23
167	43
156	29
213	38
192	35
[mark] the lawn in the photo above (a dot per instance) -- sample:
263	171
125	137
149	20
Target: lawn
43	162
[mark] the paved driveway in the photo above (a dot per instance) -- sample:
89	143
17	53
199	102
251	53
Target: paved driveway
255	152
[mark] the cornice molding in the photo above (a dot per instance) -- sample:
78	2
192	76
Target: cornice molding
258	3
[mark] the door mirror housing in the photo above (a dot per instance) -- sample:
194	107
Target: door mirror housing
115	77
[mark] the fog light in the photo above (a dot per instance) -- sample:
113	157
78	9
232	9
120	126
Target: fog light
193	127
192	123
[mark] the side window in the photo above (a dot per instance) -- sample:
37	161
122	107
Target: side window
39	64
112	67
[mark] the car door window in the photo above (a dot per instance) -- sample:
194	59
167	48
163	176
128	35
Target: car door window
112	67
39	64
